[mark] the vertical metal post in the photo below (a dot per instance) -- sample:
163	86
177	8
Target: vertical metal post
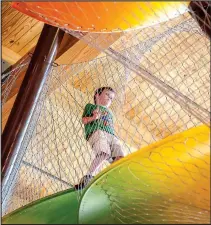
27	98
201	11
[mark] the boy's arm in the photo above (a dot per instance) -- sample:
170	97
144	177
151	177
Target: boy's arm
88	119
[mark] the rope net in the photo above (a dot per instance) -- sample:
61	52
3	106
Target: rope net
8	79
161	78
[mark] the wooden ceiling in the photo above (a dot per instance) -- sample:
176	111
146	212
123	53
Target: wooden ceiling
20	33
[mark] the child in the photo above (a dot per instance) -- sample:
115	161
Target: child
99	132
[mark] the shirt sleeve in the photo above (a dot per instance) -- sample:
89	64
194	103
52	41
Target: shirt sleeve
89	108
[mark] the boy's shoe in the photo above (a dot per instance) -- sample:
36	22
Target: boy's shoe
83	182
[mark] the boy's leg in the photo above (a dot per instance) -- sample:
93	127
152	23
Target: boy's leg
99	158
101	148
116	150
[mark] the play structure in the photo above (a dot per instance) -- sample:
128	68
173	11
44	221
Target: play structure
156	57
101	16
164	179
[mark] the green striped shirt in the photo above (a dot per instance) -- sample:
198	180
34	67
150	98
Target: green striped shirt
105	122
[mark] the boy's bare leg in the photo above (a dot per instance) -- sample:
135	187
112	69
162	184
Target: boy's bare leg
99	158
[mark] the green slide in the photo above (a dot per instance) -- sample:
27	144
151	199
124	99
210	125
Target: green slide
59	208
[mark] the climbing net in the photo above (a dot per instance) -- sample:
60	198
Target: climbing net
9	79
162	83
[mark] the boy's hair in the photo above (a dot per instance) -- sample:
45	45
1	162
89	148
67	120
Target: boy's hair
100	91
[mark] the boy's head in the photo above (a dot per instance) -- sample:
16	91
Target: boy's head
104	96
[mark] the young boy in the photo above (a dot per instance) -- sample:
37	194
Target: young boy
99	132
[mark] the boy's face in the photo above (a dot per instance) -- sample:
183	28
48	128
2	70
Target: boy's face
105	98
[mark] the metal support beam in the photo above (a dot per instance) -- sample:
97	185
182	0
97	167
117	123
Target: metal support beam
201	11
27	98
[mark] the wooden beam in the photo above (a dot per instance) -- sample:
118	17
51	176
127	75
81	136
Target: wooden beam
83	52
10	56
68	41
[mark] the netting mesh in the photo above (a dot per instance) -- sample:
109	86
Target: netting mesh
169	53
161	75
9	79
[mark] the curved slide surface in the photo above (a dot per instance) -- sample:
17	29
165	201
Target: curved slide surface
60	208
166	182
108	16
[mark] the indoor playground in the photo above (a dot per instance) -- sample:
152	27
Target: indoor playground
155	57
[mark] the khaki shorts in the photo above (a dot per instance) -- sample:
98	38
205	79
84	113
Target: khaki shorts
102	141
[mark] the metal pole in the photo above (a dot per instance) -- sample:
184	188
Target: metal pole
28	95
200	11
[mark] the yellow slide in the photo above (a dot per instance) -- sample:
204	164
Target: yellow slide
166	182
